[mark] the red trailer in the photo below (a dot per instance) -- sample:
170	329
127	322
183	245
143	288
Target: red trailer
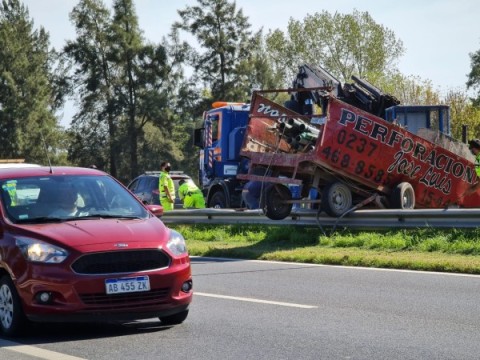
351	158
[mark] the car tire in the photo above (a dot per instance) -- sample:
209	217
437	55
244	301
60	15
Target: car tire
174	319
12	318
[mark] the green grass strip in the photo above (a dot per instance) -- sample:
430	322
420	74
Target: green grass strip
414	249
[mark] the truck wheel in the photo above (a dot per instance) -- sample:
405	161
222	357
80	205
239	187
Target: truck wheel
275	207
336	198
403	197
217	201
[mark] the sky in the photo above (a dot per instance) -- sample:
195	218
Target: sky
438	35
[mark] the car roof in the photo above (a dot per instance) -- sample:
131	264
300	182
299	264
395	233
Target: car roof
16	165
173	174
36	170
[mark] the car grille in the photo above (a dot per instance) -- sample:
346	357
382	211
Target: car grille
119	301
121	262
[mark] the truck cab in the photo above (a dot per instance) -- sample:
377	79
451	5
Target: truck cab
220	139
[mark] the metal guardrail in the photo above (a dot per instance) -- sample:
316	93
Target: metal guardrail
360	219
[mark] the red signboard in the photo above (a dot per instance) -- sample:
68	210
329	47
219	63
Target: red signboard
380	153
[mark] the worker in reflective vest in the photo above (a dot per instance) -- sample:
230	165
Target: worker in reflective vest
166	187
10	187
191	195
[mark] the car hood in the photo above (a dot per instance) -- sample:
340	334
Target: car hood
103	234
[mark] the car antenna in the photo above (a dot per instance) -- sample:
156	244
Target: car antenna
46	152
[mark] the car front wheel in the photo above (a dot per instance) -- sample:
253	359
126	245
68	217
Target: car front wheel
12	318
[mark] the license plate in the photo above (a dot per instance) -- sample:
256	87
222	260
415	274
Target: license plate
127	285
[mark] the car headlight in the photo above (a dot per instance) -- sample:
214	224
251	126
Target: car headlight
39	251
176	244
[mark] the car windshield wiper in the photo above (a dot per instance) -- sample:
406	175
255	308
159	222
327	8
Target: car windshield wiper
107	216
50	219
42	219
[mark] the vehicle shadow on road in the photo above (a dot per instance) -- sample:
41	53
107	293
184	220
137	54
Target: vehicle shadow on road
44	333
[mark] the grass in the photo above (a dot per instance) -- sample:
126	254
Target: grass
427	249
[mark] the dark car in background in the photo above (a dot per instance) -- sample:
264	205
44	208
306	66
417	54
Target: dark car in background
145	186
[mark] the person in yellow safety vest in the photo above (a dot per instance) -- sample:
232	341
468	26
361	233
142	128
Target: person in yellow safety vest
191	195
11	188
166	187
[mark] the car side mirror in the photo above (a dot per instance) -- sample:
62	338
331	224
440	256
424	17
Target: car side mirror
156	210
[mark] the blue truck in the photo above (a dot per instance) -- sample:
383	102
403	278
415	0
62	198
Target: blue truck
220	140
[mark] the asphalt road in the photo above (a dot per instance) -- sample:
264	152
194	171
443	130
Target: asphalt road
265	310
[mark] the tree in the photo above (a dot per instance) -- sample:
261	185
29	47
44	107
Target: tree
409	90
28	97
225	41
463	113
123	84
94	127
474	76
165	137
256	71
345	45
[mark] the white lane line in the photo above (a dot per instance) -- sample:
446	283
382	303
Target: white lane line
437	273
255	300
36	352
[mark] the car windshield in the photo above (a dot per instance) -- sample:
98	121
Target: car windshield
61	198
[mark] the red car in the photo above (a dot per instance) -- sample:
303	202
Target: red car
76	245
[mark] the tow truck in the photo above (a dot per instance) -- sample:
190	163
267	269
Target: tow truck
353	145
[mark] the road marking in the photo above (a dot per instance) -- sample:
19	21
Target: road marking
256	300
437	273
35	352
421	272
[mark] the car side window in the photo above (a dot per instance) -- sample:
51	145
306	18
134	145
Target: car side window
134	186
152	184
143	186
